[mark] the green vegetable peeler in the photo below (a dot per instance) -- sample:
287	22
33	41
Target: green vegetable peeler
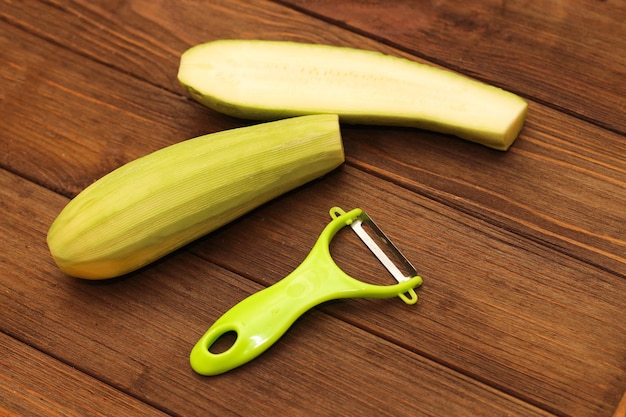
261	319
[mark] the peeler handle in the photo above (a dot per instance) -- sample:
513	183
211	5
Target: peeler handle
258	322
261	319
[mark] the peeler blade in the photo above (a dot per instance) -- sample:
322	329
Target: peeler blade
403	270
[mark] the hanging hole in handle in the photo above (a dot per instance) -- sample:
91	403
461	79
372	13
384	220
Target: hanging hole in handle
223	342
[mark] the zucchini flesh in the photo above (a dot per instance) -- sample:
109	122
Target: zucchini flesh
267	80
162	201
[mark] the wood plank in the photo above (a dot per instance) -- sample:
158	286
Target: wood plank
34	384
479	326
544	188
495	302
495	305
557	156
136	333
101	118
146	38
477	39
519	45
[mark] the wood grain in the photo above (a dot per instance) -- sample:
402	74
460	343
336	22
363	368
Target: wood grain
487	290
522	252
34	384
566	150
136	333
101	120
543	190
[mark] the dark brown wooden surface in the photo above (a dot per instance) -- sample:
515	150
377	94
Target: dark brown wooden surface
523	253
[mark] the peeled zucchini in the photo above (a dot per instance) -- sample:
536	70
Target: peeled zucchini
267	80
164	200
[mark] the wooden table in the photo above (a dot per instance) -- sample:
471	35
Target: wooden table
523	253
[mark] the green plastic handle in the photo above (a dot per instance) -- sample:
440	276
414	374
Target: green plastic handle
261	319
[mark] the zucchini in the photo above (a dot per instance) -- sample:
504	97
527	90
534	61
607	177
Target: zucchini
269	80
162	201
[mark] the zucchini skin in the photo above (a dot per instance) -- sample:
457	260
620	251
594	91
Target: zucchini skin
160	202
269	80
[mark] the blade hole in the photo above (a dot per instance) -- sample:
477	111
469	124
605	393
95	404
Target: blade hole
223	343
354	258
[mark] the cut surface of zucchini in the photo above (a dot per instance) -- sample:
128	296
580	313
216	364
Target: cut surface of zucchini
268	80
